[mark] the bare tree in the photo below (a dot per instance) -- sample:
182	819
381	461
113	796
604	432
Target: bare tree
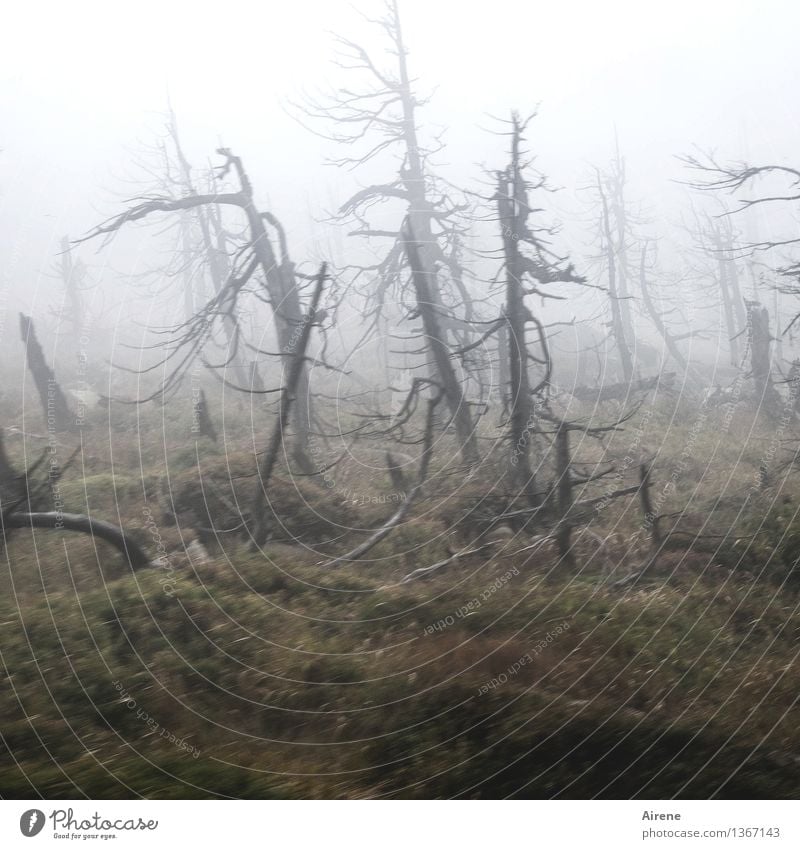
297	367
614	247
56	410
382	116
439	348
760	341
525	272
209	242
709	175
277	286
73	274
657	315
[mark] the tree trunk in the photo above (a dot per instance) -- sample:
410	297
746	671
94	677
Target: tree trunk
57	413
439	349
564	489
656	318
289	395
71	274
766	395
727	303
621	248
512	212
617	324
128	547
286	307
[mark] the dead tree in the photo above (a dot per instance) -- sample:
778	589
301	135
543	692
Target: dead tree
760	341
524	273
211	244
379	118
53	520
202	423
21	496
719	245
439	349
615	291
734	179
72	275
560	513
651	519
619	238
277	286
657	317
564	489
57	413
399	515
296	353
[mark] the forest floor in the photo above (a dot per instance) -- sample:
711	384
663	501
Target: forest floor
504	673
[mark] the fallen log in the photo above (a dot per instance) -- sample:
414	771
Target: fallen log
620	391
53	520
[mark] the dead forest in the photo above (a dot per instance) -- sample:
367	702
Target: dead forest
458	496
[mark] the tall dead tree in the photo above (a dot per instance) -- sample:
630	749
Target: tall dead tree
617	294
525	272
616	185
382	117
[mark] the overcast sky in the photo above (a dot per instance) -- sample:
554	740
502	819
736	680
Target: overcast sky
82	86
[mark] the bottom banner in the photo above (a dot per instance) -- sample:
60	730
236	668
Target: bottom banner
389	824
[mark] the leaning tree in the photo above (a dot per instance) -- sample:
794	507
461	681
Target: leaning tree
256	268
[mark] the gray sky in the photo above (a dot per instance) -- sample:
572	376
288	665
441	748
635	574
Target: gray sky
82	84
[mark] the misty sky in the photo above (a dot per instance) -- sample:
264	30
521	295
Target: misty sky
83	86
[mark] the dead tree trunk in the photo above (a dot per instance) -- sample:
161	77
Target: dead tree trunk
538	266
512	213
733	281
399	515
760	338
439	349
71	274
126	545
651	519
563	531
57	413
202	424
503	377
655	316
617	324
289	395
619	212
727	302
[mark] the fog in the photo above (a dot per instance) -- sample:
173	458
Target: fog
84	86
